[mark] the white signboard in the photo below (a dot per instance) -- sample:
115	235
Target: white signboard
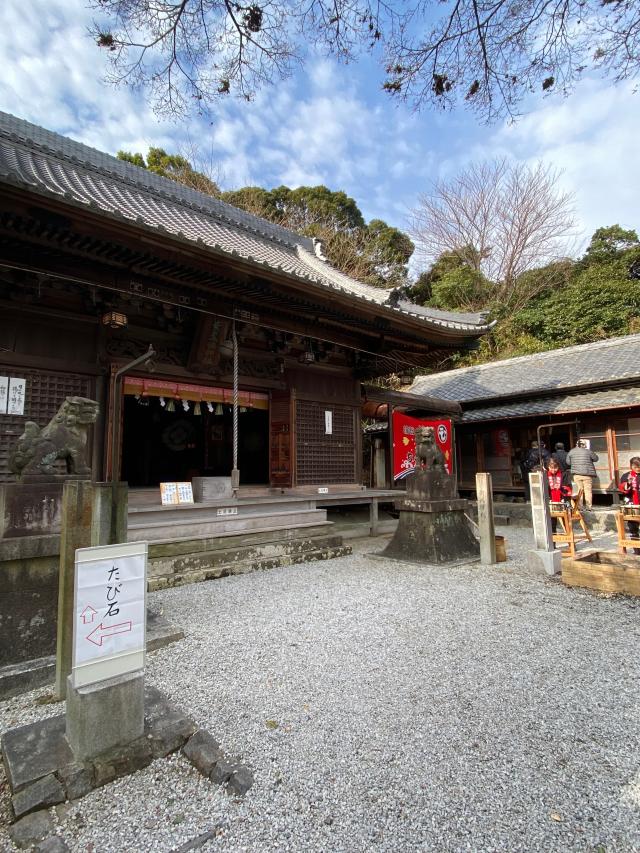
110	612
328	422
15	401
4	394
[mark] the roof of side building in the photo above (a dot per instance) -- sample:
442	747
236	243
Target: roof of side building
615	360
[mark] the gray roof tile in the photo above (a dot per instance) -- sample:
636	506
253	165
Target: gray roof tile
50	164
602	362
563	404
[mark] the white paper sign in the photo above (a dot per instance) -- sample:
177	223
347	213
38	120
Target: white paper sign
328	422
185	493
4	394
110	611
17	390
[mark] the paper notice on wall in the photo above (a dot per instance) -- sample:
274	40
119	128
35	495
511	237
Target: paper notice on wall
328	422
4	394
17	391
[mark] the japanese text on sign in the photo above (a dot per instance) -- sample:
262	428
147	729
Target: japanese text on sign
110	611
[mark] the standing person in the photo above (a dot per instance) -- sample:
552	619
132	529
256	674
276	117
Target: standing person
559	483
560	455
630	488
583	471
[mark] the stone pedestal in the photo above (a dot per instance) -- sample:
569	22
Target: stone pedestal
549	562
433	527
101	716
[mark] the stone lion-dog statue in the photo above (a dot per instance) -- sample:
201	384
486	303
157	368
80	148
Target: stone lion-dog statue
64	437
428	454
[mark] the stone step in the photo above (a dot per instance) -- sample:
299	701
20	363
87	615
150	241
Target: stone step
151	532
170	569
216	509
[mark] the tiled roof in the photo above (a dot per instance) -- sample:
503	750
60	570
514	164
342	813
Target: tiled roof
44	162
562	404
600	363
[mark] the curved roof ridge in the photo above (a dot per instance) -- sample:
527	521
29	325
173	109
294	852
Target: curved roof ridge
71	150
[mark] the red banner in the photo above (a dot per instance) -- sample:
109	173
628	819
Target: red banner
404	443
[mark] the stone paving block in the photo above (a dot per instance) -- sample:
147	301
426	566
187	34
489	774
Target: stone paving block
203	751
76	779
52	844
41	794
122	761
30	829
166	727
240	781
222	771
33	751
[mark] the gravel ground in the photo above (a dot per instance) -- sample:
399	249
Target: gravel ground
388	706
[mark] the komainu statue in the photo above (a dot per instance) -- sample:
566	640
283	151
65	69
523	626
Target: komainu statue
428	454
65	437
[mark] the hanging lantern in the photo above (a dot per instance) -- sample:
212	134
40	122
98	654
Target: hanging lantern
196	409
114	320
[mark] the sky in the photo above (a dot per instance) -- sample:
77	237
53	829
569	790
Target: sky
329	124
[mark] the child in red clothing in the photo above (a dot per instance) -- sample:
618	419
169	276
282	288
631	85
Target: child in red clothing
559	486
630	488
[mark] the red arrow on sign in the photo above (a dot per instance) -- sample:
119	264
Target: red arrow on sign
88	614
103	631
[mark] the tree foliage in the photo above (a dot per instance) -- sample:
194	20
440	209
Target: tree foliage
487	54
172	166
375	253
592	298
500	220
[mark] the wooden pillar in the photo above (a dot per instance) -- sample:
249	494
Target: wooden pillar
486	525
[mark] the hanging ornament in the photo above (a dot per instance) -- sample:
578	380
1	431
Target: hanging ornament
243	409
210	406
219	409
163	402
185	405
196	409
171	406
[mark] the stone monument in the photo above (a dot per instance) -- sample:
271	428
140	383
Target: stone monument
433	526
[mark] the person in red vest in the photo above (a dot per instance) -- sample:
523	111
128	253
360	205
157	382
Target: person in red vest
559	483
630	489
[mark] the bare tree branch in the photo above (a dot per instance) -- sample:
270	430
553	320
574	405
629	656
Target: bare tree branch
500	219
487	54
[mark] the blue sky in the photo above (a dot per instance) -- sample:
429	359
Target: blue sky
330	124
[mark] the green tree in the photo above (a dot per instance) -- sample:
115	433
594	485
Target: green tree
484	55
172	166
375	253
609	243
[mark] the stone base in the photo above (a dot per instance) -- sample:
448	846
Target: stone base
104	715
41	766
42	770
549	562
439	538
